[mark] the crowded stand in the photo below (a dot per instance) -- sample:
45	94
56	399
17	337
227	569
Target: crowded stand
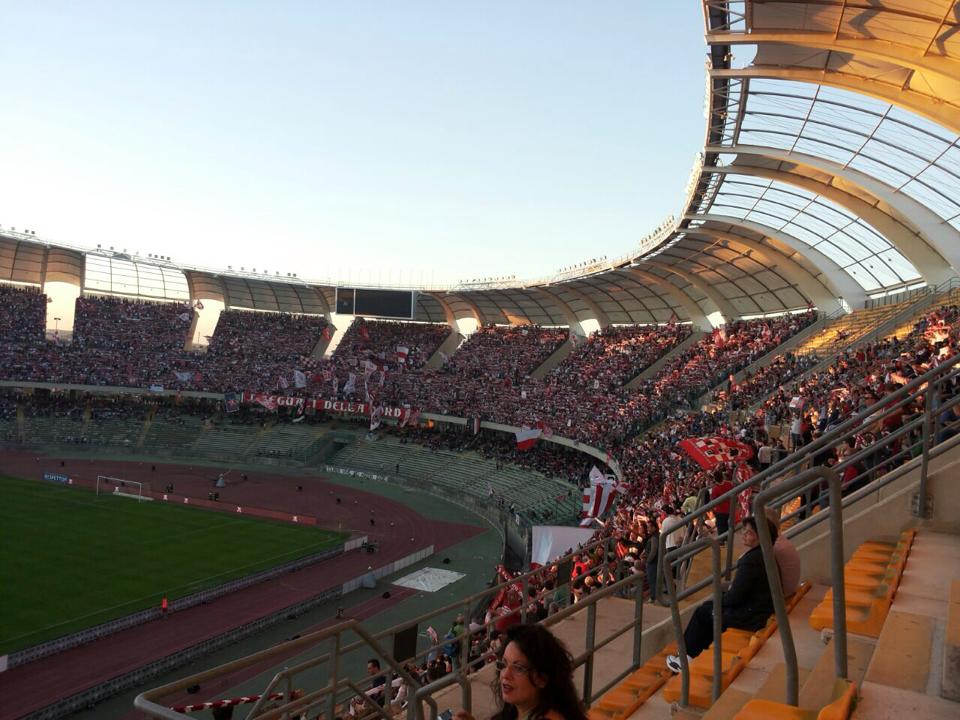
394	344
612	357
23	314
251	349
507	354
130	326
726	351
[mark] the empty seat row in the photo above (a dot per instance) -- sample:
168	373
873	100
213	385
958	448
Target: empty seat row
870	578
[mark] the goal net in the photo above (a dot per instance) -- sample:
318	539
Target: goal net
107	485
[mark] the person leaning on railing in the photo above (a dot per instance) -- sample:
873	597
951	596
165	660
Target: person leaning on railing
534	679
746	605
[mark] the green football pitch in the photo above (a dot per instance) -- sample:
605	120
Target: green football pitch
70	559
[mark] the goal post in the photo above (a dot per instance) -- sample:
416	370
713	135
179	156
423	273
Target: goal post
120	487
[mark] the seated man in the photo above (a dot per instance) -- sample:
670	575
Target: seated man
746	605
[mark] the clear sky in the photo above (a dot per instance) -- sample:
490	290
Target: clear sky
384	142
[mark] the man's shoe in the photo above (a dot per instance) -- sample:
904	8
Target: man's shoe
673	663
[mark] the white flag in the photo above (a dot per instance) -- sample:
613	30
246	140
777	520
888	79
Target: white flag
351	384
299	379
376	417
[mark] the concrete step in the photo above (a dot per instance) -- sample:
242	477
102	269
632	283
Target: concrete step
902	656
882	702
818	690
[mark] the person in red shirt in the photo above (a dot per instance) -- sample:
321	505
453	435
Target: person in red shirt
721	512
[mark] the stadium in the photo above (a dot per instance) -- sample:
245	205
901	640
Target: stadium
239	493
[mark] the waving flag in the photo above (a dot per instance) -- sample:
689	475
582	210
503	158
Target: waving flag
376	417
708	452
402	352
299	379
351	384
599	497
326	334
527	437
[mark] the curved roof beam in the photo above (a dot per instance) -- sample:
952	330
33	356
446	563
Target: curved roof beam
478	314
929	263
690	306
930	228
573	322
838	281
946	69
599	314
720	303
448	313
943	113
808	285
789	266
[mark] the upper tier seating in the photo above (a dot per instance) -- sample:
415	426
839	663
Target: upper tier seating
23	314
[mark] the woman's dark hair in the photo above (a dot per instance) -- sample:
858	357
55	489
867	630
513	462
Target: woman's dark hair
549	658
752	522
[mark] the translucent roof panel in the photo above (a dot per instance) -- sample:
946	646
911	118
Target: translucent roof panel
123	276
907	152
844	237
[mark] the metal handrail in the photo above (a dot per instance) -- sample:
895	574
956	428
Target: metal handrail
679	555
803	480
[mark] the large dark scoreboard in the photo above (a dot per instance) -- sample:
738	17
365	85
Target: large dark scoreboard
397	304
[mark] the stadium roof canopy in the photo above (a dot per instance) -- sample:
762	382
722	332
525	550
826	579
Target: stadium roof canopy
830	174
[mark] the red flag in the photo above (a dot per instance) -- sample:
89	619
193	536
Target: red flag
710	451
364	332
326	333
527	438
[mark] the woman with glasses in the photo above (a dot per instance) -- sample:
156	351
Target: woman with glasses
534	678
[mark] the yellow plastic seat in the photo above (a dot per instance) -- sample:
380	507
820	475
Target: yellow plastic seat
839	709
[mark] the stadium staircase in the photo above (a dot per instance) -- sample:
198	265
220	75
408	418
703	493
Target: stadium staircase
448	347
558	356
148	421
695	337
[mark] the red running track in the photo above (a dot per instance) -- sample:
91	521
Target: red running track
33	686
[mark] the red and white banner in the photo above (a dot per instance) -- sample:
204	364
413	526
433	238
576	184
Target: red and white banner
376	417
527	437
708	452
402	352
599	497
410	416
272	402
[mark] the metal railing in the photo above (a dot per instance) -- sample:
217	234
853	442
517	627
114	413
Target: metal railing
810	478
919	428
338	645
